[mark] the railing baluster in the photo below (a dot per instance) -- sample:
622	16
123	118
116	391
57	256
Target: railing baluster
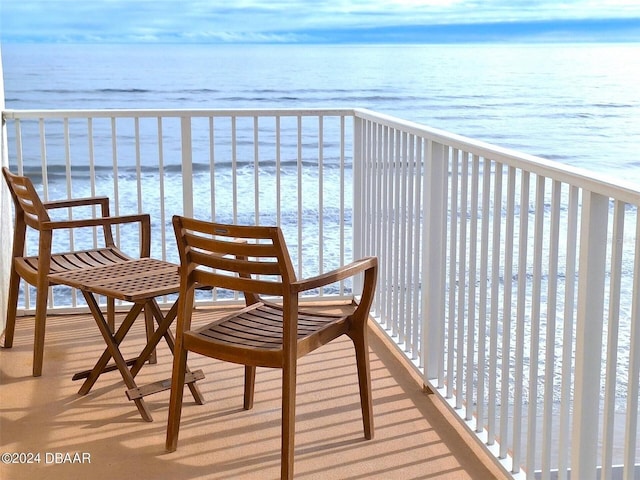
341	214
138	162
612	340
72	233
278	172
43	159
380	218
520	320
114	163
453	273
321	195
483	374
20	161
363	172
92	172
299	191
366	142
534	324
163	213
387	247
256	171
505	373
472	298
234	168
409	289
463	215
417	251
492	398
67	164
396	212
187	166
442	155
550	334
401	235
564	435
631	424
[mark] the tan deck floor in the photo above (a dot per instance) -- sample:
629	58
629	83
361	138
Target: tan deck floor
414	438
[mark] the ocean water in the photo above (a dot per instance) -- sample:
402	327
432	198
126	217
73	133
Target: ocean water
575	103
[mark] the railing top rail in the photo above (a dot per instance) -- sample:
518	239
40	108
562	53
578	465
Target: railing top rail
608	186
611	187
161	112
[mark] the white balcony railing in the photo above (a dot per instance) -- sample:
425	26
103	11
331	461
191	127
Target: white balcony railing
510	282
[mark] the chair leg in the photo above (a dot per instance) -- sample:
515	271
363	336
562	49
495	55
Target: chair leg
288	420
42	295
175	400
361	344
12	309
249	386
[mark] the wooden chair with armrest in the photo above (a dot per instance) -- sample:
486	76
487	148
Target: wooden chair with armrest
255	261
31	212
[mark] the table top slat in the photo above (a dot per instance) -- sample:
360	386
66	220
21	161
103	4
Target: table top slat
133	281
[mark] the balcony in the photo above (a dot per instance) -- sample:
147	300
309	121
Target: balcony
416	436
508	283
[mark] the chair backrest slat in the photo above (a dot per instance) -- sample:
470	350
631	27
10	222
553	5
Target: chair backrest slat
229	264
236	257
238	284
26	199
237	248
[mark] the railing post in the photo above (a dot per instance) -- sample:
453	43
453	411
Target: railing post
6	226
589	326
187	166
434	259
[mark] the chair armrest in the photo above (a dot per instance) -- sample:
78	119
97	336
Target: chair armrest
144	219
80	202
336	275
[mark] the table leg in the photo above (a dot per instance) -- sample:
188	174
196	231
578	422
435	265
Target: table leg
148	321
164	322
117	338
163	330
112	342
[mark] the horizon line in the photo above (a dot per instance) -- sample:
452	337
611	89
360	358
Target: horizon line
612	30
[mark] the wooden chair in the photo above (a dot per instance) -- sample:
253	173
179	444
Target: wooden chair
31	212
255	261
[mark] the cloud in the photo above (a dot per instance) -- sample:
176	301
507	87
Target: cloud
273	21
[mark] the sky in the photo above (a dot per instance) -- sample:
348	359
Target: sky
328	21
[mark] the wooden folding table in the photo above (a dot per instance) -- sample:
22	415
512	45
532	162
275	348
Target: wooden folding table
138	281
